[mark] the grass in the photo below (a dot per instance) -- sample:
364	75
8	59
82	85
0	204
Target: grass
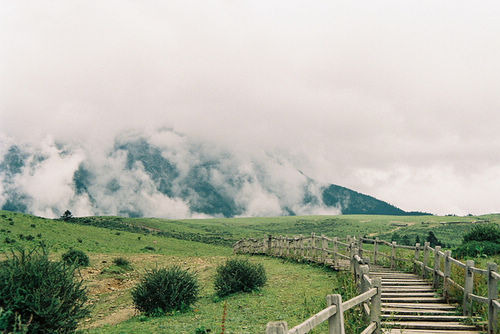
293	293
225	231
60	236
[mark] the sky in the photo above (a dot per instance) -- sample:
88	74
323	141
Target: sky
395	99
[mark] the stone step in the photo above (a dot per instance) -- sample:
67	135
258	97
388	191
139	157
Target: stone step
410	311
420	317
424	331
420	306
413	299
407	294
428	325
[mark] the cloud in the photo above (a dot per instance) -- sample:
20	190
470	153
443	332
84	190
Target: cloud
342	88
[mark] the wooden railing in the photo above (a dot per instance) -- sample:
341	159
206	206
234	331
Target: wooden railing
430	263
438	265
328	251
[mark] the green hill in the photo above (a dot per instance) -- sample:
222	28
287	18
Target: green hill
294	291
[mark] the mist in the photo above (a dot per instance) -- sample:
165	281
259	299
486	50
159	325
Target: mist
396	100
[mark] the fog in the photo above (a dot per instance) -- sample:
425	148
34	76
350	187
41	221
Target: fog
396	100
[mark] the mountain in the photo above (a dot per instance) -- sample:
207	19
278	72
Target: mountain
167	175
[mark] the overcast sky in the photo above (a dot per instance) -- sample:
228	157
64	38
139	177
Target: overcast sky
396	99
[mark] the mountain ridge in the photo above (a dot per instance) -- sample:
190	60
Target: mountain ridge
172	177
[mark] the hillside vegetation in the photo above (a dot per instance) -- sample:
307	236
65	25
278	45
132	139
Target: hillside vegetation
292	292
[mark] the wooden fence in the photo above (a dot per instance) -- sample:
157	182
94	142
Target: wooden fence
430	263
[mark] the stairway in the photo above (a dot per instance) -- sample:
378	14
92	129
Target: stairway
411	306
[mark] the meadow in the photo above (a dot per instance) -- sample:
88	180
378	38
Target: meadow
294	291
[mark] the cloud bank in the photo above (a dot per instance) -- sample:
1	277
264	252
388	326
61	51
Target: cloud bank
163	174
397	100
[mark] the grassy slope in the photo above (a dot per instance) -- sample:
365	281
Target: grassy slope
233	229
288	295
294	291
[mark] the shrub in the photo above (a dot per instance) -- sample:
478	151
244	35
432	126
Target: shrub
164	290
9	240
67	216
239	275
121	262
476	248
40	294
76	257
483	232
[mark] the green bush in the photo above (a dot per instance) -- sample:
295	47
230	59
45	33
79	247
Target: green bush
121	262
40	294
483	232
476	248
76	257
164	290
239	275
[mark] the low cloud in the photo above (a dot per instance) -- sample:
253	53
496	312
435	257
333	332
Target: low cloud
343	91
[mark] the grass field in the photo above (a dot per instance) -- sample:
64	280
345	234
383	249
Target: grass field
293	293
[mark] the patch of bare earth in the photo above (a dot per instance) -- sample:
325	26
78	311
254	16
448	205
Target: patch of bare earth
109	294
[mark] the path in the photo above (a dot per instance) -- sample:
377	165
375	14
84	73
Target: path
411	306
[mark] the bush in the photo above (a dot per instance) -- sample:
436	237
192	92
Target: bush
164	290
76	257
239	275
121	262
476	248
483	232
40	294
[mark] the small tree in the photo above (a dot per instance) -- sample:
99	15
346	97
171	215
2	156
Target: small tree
67	215
239	275
76	257
432	239
164	290
40	294
405	240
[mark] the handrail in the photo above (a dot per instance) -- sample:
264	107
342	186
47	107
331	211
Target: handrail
314	321
429	262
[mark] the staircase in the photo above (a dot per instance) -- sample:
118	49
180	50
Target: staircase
411	306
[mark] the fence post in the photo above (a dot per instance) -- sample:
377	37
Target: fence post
283	246
351	255
375	251
492	295
302	248
269	244
324	246
375	309
437	266
393	254
335	250
426	258
360	246
277	327
469	283
313	246
336	321
364	285
447	274
417	257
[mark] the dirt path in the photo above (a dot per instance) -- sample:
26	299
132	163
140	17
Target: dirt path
394	229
